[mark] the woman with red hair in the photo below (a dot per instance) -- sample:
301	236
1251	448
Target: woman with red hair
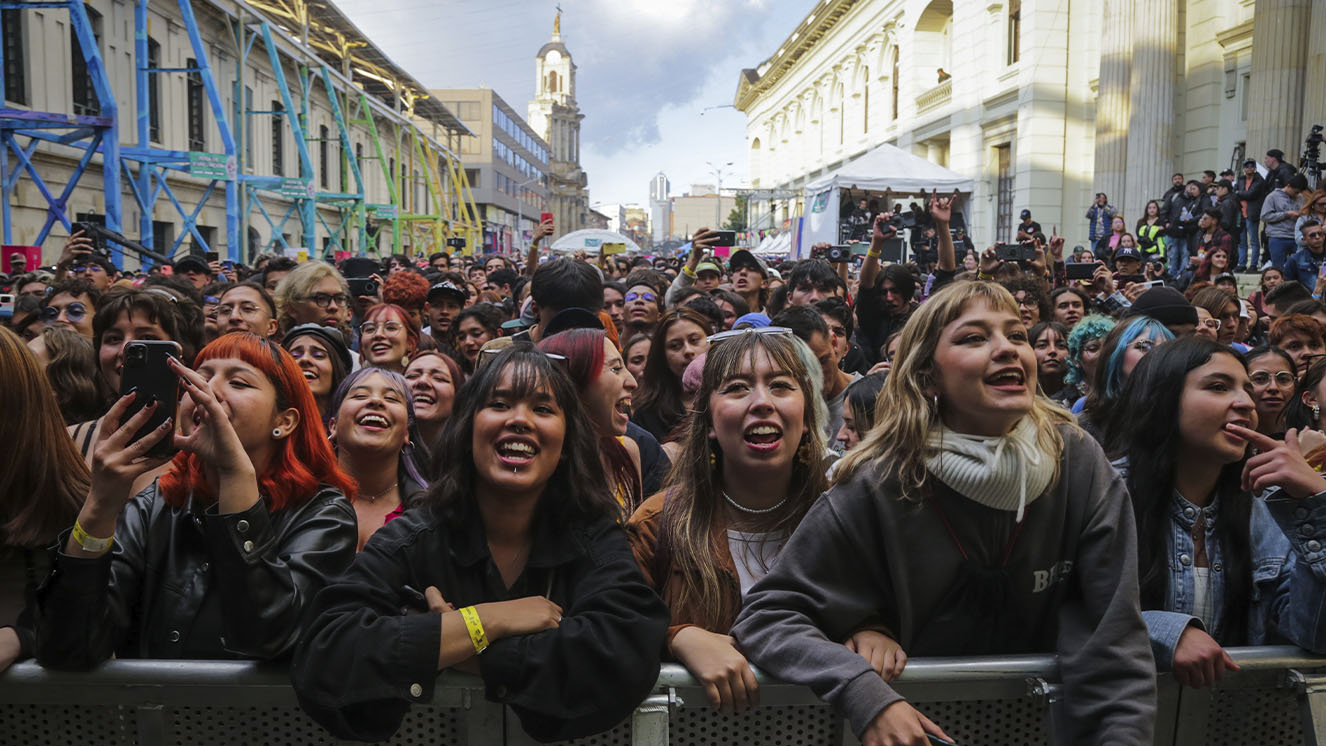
409	290
220	556
388	337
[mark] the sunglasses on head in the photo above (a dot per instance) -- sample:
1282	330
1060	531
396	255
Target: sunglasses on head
778	331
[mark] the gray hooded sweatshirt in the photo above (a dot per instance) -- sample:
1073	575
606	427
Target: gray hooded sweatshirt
864	557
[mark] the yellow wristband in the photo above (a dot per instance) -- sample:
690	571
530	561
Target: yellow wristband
475	627
90	543
686	270
874	254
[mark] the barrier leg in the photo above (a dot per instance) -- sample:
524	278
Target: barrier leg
649	723
1312	689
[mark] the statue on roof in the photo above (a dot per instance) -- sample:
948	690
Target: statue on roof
557	22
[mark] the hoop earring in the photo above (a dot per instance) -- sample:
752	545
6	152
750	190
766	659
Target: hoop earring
276	432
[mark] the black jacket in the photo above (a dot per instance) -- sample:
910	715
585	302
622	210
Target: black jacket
1231	215
1184	212
1167	198
1278	178
362	662
191	583
1253	195
874	324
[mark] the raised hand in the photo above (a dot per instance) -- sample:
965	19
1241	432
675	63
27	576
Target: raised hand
116	462
1056	244
941	208
1277	464
207	432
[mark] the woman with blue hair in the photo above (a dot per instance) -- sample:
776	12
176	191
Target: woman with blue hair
1085	341
372	428
1124	347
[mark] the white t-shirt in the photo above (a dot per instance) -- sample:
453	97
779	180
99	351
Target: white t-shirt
1203	606
753	554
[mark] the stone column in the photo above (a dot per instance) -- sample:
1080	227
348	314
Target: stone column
1112	99
1314	84
1276	93
1151	95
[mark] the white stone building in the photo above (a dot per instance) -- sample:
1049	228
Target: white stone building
555	115
1005	92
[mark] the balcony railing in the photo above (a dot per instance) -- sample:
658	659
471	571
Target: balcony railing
935	97
1275	699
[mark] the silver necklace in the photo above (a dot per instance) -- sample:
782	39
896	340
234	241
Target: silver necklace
753	511
374	498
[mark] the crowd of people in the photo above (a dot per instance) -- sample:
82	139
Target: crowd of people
556	472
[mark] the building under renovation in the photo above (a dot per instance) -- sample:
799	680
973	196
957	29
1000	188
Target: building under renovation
221	125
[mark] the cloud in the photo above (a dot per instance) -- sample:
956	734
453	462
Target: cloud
636	57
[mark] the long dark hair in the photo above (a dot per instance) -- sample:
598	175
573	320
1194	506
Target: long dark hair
577	490
660	391
1151	402
1297	414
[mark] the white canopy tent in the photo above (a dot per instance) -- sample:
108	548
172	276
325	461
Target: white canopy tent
885	169
590	240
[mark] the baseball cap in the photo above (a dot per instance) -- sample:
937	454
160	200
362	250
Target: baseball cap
447	287
743	258
707	267
1128	252
1164	304
192	263
1026	213
1250	162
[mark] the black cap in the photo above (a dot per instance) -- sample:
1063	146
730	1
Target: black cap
1026	213
571	318
1164	304
328	334
447	287
743	258
1250	162
1127	252
193	263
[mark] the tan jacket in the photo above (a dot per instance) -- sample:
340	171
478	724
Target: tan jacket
643	530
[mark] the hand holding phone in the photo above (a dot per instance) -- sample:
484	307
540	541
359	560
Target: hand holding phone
148	376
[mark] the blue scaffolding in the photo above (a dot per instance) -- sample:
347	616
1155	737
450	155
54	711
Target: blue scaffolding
22	131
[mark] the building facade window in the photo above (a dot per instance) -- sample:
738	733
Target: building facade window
278	139
324	165
85	98
16	70
1004	193
1014	31
153	91
197	124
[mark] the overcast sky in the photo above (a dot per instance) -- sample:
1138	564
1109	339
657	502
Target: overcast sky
645	71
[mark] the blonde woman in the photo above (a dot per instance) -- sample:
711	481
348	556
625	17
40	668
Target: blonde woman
973	519
314	293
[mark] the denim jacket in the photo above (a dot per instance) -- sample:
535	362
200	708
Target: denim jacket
1288	602
1303	267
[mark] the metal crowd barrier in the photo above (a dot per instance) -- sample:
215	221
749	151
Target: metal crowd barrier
1278	698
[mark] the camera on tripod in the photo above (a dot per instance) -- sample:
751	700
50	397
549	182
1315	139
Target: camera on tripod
1310	163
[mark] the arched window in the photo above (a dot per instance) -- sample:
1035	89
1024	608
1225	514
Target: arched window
552	82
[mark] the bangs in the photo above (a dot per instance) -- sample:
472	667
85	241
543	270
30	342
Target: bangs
736	356
526	378
265	355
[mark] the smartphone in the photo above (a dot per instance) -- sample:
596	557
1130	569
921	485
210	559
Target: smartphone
1153	284
545	217
1014	252
725	238
6	306
1126	279
146	370
213	256
1080	270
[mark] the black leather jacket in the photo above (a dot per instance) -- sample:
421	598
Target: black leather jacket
191	583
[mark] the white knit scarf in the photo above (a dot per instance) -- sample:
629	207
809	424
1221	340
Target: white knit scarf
1007	472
